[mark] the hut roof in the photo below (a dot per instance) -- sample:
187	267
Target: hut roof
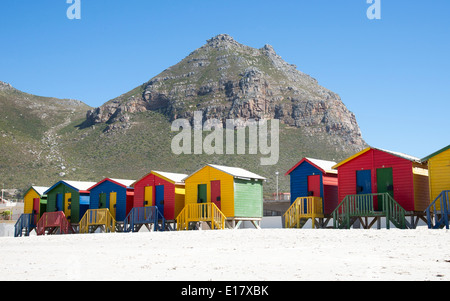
397	154
173	177
77	185
121	182
435	153
40	189
237	172
176	178
325	166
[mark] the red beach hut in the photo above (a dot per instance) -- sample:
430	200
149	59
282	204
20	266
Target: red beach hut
375	170
164	190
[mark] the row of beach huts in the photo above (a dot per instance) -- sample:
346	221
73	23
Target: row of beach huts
367	188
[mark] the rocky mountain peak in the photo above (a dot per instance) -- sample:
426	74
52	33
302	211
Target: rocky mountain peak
269	49
225	79
222	42
221	38
5	86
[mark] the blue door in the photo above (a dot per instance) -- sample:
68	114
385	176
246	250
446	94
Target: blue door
364	186
159	198
59	202
363	182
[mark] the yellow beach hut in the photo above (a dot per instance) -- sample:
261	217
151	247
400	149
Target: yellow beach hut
35	201
439	179
218	194
35	204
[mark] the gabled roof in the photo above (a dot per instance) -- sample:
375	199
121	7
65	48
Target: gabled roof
175	178
236	172
121	182
401	155
39	189
80	186
126	183
397	154
323	165
352	157
435	154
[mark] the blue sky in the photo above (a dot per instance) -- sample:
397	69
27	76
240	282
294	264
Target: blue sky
393	73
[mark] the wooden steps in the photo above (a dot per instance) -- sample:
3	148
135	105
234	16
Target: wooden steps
203	212
302	210
357	207
438	211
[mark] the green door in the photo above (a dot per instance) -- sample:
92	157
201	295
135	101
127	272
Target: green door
385	183
202	190
202	193
102	201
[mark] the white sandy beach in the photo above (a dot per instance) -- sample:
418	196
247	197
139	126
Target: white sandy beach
240	255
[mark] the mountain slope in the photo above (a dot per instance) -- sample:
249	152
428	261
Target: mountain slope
44	140
226	79
29	145
129	135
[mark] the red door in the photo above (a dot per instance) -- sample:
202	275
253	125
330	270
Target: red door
36	205
215	193
314	186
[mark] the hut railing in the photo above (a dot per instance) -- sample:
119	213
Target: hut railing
53	220
25	221
303	208
97	217
440	209
144	215
361	205
204	212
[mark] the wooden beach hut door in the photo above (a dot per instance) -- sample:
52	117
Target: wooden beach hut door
215	193
112	203
314	186
202	193
102	201
313	189
159	198
59	202
68	205
363	181
148	196
385	183
36	207
364	185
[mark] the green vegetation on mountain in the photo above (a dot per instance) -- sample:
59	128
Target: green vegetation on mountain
44	140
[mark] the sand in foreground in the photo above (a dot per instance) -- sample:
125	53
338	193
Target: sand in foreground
253	255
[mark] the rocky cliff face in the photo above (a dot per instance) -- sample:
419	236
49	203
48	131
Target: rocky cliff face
228	80
5	86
